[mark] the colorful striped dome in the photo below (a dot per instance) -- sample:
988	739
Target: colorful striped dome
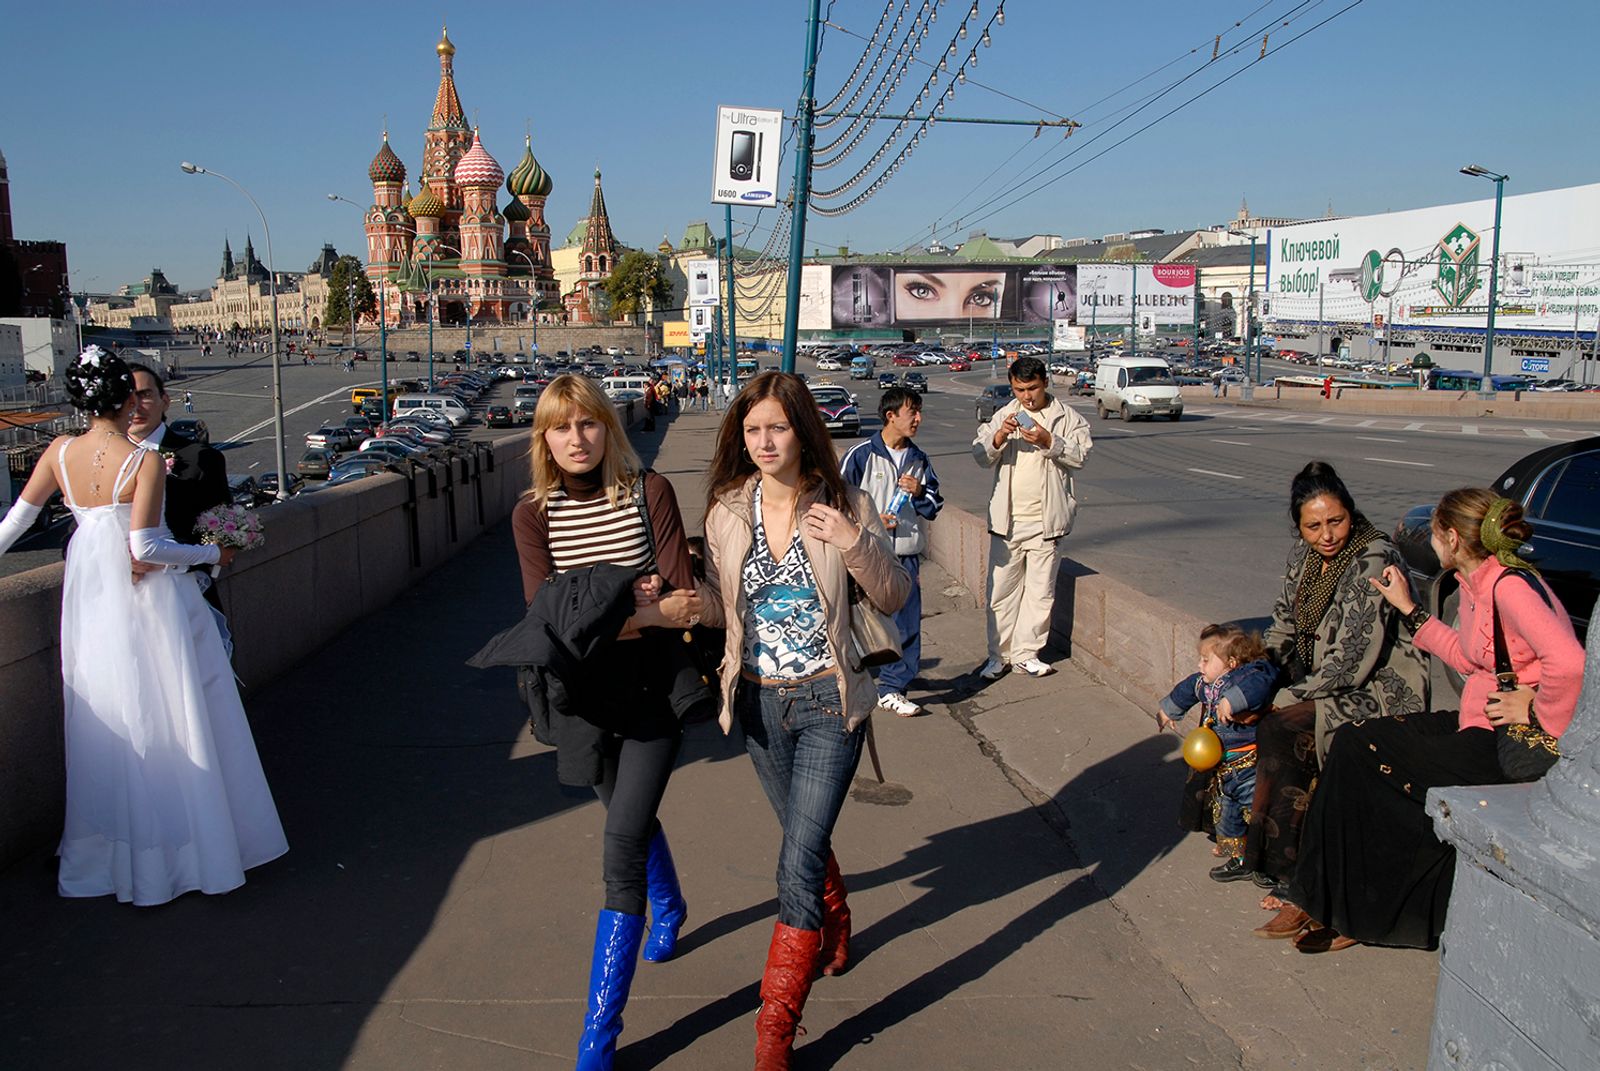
515	211
426	205
386	166
529	179
477	168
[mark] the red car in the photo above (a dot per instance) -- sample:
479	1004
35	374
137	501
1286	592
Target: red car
904	362
960	364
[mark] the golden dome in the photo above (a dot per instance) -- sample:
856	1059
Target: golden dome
445	48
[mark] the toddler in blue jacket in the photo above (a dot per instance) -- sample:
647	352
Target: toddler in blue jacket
1235	684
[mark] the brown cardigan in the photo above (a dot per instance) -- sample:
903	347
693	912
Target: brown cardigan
530	528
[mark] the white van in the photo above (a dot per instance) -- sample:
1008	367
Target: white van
612	384
1136	387
446	405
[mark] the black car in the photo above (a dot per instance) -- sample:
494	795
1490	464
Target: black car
499	416
268	483
190	428
1558	488
994	396
887	380
915	381
244	491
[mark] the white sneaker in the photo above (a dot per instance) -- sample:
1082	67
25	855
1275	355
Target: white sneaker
993	669
1035	668
899	705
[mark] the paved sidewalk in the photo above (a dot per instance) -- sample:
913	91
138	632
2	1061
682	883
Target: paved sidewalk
1021	894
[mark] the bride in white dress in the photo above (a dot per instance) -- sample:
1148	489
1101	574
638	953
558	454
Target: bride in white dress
165	793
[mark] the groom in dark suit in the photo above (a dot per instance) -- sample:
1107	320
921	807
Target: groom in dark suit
197	474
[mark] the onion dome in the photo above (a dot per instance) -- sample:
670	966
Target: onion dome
477	167
515	211
444	47
529	179
425	205
386	166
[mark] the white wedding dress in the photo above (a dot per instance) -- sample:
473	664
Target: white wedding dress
165	793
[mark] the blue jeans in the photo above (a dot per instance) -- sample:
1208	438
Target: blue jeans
805	762
897	676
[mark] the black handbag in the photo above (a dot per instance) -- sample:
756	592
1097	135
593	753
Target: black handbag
1526	752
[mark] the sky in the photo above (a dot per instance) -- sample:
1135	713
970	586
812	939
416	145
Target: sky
1376	109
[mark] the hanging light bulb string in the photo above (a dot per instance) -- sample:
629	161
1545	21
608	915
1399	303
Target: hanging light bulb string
826	155
872	50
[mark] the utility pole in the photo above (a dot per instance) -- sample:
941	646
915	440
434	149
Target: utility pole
1133	313
733	333
802	190
1322	342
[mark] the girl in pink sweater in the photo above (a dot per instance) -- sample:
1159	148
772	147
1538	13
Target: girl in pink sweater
1371	869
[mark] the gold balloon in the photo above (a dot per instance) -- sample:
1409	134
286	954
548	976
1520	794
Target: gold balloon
1202	748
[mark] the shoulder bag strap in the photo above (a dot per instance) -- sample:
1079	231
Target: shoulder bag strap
652	566
1504	673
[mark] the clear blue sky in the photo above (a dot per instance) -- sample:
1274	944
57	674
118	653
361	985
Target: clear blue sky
1375	110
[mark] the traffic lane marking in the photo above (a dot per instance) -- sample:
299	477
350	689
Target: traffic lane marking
1396	461
1230	442
1224	475
297	409
1375	439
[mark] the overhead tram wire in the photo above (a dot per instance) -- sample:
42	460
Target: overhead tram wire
1014	185
1218	54
1173	111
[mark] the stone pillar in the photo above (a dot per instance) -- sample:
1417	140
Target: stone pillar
1519	976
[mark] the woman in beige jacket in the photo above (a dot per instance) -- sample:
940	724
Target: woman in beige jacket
786	540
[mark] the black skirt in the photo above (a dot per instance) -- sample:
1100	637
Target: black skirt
1370	865
1286	775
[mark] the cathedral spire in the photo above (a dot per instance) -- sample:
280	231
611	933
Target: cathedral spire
447	111
227	259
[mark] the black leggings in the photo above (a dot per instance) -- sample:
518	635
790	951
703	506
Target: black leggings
633	780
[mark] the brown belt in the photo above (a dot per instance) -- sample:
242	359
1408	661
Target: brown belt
785	682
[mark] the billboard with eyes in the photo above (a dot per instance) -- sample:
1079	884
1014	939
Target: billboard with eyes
909	295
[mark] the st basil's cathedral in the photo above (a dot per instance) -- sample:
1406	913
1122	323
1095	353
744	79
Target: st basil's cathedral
453	233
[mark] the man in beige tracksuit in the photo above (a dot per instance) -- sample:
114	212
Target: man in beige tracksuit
1033	443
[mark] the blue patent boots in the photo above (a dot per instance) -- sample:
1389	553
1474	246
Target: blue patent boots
667	907
616	952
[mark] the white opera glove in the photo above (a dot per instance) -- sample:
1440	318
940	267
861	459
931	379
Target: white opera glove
156	546
19	518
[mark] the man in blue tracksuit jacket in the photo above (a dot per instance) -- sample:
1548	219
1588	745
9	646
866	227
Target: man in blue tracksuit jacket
882	466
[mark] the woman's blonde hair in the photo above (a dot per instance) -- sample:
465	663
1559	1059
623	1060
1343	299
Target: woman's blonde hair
565	397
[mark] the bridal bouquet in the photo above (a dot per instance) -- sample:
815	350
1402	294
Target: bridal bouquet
230	526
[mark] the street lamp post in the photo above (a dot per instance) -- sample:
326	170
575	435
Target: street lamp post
277	371
533	298
1486	390
383	318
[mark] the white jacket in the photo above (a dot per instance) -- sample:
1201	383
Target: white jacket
1069	447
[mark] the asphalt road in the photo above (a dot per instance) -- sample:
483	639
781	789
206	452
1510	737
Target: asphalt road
1195	513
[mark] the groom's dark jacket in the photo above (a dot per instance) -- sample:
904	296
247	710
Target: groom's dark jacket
197	480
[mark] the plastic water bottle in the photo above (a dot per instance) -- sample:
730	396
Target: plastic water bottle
896	504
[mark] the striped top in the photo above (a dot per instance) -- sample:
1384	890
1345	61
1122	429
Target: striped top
592	533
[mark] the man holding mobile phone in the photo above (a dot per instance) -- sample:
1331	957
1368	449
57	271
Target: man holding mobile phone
1033	443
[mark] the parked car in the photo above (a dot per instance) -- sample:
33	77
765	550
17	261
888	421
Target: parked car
960	364
829	364
1557	488
316	463
499	416
903	360
887	380
915	381
413	356
244	491
394	448
838	409
426	434
268	483
361	425
994	396
191	428
334	437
